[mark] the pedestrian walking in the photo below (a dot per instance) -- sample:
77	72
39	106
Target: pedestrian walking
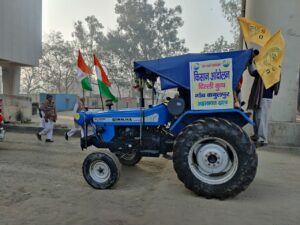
42	116
79	106
50	118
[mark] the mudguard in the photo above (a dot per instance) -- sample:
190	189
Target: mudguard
233	115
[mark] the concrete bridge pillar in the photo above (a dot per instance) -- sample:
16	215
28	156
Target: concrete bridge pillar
284	16
11	75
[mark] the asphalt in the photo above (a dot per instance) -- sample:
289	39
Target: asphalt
42	183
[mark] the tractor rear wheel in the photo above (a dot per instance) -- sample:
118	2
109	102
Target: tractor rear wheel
214	158
101	169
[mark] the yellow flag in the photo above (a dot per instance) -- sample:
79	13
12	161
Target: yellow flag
254	32
269	60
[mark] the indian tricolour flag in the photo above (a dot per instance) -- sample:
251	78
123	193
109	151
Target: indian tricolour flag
103	82
83	73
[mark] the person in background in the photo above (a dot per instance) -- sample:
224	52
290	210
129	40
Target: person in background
42	116
79	106
260	100
237	95
50	118
186	95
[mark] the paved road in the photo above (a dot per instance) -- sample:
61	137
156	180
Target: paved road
42	184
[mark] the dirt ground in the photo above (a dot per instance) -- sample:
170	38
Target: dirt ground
42	184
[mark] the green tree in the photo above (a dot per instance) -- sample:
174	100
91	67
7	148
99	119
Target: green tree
57	64
145	31
31	80
88	37
220	45
231	10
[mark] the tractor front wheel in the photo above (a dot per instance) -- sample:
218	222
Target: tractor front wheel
101	169
214	158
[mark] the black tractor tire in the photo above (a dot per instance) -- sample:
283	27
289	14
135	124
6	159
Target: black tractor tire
214	158
129	159
101	169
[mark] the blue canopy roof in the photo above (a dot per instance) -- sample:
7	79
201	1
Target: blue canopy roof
175	71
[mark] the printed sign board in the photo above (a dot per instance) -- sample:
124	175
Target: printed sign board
211	84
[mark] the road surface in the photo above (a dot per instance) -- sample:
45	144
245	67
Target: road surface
41	183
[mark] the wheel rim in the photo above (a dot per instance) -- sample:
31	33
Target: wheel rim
213	160
99	171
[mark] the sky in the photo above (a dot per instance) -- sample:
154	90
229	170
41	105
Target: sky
203	19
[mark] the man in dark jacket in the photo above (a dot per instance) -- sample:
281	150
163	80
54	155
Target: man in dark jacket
260	102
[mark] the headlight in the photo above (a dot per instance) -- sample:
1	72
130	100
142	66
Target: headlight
77	116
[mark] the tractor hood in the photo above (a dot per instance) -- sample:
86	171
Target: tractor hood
174	71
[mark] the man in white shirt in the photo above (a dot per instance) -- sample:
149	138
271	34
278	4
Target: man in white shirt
79	106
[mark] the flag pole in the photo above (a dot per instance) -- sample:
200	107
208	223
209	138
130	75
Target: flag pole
101	101
243	14
84	122
102	104
246	44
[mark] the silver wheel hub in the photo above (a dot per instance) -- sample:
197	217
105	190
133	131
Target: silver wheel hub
100	171
213	160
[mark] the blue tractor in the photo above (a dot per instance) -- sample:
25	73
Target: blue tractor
212	155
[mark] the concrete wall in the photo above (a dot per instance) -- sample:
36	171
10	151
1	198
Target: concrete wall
35	98
11	105
63	102
20	31
284	16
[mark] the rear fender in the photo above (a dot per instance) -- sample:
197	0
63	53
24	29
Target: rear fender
233	115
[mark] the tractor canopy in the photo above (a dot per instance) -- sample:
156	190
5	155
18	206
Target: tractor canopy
174	71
